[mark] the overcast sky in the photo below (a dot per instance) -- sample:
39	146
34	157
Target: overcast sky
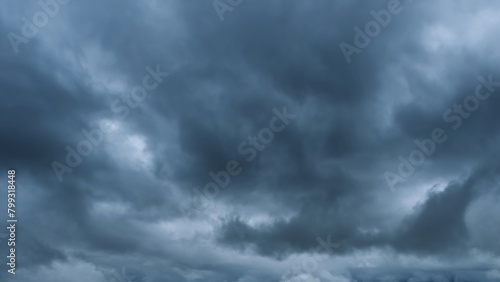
252	141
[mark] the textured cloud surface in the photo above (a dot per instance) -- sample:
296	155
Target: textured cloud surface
240	140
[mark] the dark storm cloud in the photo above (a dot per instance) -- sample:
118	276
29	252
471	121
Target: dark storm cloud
436	227
322	176
439	224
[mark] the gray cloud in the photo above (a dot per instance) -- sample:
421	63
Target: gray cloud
321	176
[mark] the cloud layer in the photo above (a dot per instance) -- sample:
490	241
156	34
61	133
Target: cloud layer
151	140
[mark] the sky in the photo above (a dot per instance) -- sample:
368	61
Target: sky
251	141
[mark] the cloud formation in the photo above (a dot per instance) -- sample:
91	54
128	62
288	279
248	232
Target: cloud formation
322	176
